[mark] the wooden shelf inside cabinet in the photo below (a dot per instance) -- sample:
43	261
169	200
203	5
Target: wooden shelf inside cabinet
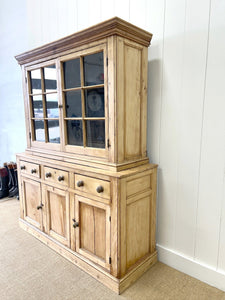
85	99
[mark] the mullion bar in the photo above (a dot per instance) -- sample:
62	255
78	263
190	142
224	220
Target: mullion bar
83	100
44	105
87	87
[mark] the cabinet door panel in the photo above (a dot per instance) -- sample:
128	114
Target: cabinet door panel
31	200
57	214
93	233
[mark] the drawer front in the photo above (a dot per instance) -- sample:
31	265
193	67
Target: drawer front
94	186
29	168
56	176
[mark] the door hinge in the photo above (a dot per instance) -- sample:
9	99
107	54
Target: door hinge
108	144
109	218
26	79
110	260
107	61
30	135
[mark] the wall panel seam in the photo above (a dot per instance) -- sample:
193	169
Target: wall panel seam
202	128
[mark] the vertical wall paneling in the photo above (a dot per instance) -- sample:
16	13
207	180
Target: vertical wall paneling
107	9
155	24
212	159
137	13
190	123
34	23
122	9
169	135
94	12
82	14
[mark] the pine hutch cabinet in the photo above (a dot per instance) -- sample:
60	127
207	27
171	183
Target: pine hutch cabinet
87	189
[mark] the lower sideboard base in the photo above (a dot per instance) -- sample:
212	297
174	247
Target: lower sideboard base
115	284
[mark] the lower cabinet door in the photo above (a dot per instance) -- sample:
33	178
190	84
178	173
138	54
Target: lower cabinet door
57	214
32	202
91	224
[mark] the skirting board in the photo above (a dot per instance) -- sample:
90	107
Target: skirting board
115	284
193	268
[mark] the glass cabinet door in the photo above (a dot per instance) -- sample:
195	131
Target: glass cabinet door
44	104
83	93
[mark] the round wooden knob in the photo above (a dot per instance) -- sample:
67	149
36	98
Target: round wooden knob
75	223
100	189
22	168
48	174
80	183
60	178
39	206
33	171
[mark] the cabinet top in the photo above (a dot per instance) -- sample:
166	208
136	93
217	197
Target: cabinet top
114	26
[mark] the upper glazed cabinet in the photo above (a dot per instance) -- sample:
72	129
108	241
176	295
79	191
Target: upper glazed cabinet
86	95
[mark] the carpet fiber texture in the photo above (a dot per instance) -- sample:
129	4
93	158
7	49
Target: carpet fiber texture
29	270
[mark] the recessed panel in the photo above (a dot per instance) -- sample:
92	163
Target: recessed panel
57	211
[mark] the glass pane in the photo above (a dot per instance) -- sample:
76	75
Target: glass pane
71	70
75	132
39	130
50	78
53	131
52	106
37	106
95	133
94	103
35	79
93	69
73	104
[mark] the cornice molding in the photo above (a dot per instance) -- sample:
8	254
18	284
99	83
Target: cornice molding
114	26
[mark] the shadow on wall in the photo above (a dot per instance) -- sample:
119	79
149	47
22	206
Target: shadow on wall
153	104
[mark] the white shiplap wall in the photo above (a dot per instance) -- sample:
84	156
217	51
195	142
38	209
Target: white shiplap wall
186	115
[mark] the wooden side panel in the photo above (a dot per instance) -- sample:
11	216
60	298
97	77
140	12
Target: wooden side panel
137	219
138	185
138	224
132	77
131	100
31	199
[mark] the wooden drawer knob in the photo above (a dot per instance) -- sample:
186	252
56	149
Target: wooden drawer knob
100	189
40	206
60	178
33	171
80	183
22	168
75	223
48	174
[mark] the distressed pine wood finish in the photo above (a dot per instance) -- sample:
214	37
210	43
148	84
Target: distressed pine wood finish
106	225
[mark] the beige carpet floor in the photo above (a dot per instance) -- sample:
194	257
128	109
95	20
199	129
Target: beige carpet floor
30	270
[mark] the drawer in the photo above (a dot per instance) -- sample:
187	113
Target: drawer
52	175
28	168
94	186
